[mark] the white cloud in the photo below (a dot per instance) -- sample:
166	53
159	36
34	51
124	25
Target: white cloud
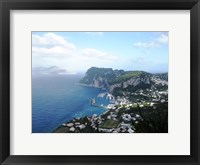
53	50
51	40
48	71
162	39
100	55
145	45
52	45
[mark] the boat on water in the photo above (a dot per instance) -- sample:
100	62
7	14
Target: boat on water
93	103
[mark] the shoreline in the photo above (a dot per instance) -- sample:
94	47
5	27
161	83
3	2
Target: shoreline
107	109
128	118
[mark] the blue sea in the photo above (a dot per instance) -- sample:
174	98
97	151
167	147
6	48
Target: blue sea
57	99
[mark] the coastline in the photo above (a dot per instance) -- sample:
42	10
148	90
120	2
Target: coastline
129	112
111	105
123	117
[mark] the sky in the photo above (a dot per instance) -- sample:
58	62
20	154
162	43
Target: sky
75	52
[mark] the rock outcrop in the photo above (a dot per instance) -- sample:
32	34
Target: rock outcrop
109	79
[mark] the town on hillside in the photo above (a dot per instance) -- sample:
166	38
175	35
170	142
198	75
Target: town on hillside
138	103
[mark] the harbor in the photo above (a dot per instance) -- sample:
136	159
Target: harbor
108	96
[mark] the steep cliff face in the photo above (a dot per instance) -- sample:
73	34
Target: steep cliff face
99	82
134	82
100	77
109	79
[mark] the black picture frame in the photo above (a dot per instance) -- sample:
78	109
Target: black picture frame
7	5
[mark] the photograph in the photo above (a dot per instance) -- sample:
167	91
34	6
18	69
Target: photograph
87	82
100	81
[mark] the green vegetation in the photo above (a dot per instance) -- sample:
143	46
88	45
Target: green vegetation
118	91
154	120
110	75
61	129
109	124
127	75
147	119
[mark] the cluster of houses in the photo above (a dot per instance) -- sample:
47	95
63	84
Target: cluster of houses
146	95
118	117
74	127
123	122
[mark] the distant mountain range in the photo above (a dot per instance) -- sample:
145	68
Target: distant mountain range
115	80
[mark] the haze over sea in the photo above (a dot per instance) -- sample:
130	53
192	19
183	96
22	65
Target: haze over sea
56	99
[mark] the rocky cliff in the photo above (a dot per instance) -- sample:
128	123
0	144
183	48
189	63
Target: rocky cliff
109	79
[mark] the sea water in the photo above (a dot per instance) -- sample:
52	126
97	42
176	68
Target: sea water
57	99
